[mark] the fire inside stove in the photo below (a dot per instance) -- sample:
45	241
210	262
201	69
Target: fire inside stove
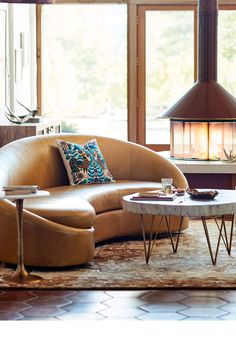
203	140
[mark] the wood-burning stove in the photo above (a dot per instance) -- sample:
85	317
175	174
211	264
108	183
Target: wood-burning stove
203	121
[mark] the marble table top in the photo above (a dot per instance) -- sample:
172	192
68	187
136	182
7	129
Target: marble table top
224	203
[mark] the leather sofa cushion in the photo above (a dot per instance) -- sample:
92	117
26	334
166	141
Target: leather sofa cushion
62	209
76	205
110	198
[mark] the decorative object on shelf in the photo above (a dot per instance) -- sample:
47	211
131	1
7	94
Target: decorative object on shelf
12	117
202	194
230	156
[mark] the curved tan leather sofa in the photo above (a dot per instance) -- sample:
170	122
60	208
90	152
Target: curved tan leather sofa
61	230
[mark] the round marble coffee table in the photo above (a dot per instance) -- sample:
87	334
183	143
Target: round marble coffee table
223	204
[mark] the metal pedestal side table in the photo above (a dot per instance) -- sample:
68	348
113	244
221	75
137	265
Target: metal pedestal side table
20	275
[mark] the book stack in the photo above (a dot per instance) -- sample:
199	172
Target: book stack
19	190
156	195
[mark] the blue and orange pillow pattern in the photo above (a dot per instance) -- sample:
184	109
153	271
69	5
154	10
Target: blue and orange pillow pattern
84	163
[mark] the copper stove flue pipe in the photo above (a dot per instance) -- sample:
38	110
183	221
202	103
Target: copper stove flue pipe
207	40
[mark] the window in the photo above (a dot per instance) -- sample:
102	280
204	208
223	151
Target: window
84	67
169	67
166	70
227	50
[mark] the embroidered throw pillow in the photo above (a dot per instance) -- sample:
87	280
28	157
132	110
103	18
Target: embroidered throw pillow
84	163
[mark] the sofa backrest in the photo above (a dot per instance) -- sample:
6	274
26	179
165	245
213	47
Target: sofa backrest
37	160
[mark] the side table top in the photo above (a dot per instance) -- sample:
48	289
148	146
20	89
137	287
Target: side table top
224	203
24	196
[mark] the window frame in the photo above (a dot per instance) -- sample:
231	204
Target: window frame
141	67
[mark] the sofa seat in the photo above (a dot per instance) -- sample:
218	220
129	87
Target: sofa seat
77	206
63	209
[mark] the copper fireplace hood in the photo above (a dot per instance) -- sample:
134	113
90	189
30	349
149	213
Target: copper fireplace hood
203	121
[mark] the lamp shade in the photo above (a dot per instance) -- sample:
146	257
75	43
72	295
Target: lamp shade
28	1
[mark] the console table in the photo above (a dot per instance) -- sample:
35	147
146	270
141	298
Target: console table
223	204
11	131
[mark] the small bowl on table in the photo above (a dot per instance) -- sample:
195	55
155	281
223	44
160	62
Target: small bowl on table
202	194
